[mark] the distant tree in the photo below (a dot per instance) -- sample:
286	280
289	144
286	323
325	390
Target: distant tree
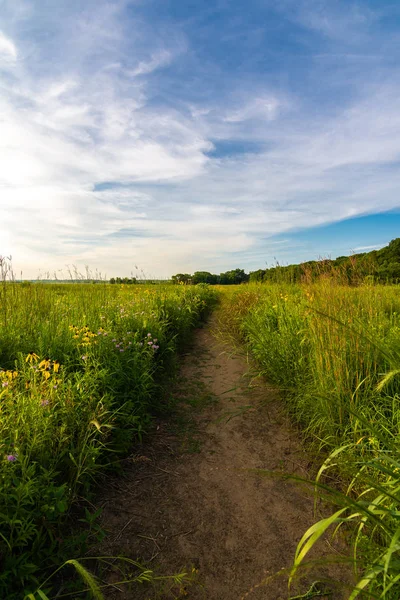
112	280
256	276
204	277
182	278
233	277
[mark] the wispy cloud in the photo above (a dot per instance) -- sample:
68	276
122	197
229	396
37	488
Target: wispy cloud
368	248
138	143
156	61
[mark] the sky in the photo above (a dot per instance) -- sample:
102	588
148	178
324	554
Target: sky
162	136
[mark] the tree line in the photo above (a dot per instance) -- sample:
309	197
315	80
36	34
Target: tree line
232	277
381	266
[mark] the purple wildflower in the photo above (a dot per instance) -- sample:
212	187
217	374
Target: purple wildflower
11	457
44	403
149	343
121	349
149	335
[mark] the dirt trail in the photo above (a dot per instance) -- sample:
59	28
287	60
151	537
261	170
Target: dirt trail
192	497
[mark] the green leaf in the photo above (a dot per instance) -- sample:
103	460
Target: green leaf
310	537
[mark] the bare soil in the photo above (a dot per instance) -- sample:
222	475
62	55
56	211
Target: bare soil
195	495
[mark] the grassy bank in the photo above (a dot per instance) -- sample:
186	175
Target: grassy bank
81	367
335	351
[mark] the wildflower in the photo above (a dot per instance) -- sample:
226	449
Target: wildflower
56	366
11	457
155	347
5	384
45	364
155	340
31	357
55	387
149	343
149	335
84	357
44	403
121	349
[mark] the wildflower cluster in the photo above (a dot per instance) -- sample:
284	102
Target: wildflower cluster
124	344
83	335
152	342
7	379
62	423
46	367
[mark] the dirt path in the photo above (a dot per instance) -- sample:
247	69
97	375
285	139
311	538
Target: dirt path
192	499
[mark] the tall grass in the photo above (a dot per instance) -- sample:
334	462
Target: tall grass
81	367
335	351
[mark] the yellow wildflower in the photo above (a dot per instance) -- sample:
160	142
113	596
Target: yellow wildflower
31	357
45	364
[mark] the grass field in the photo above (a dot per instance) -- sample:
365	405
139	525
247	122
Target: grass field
81	368
335	351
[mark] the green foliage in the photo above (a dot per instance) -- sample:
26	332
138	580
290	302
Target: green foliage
335	351
81	368
204	277
232	277
379	265
182	278
123	280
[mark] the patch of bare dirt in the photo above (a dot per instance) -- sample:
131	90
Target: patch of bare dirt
195	496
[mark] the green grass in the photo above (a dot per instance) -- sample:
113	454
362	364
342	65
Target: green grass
335	352
81	372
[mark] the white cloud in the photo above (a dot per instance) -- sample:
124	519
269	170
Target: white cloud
98	168
8	50
158	60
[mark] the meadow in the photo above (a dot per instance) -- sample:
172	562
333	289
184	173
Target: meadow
83	368
335	352
82	373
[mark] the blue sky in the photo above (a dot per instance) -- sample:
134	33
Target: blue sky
178	136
